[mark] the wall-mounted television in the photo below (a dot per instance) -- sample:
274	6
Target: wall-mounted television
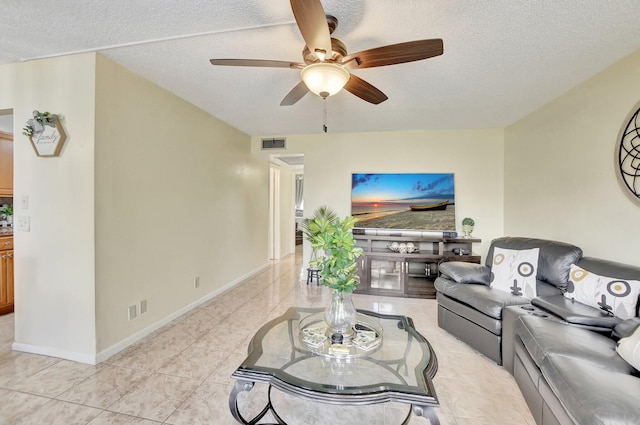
423	201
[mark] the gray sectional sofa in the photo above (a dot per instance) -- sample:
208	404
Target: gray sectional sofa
561	352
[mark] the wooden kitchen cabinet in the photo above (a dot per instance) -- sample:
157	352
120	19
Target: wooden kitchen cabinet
6	164
6	274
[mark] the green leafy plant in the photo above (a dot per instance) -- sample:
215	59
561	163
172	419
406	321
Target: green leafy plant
322	212
8	210
332	236
37	123
468	222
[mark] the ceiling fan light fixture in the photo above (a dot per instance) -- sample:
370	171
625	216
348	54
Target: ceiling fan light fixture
325	78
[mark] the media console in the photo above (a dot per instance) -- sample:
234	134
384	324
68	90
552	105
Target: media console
386	269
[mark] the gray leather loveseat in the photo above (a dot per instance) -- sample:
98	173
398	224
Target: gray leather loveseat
562	352
471	310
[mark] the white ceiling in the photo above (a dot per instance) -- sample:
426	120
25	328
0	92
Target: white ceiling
503	58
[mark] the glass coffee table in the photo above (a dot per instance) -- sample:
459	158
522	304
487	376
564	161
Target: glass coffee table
311	380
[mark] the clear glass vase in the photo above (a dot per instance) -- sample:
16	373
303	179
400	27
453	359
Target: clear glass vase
340	315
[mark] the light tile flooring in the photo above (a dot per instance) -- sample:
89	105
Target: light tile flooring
181	373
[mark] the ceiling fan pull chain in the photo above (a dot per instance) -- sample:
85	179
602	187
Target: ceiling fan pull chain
324	114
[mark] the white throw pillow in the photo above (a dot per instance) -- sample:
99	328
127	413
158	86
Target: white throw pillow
629	349
515	271
615	296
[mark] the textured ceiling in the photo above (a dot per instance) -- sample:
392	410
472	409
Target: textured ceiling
503	58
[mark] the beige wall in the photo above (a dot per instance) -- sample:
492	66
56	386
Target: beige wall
178	195
475	156
54	262
560	171
148	193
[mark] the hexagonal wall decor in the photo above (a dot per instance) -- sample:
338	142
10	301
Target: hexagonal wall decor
49	142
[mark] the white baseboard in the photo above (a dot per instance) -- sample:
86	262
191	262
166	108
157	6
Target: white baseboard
54	352
93	359
132	339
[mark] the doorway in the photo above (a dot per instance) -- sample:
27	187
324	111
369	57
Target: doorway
286	203
6	212
299	205
274	213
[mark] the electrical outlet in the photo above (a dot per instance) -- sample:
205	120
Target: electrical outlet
133	312
196	282
143	306
23	223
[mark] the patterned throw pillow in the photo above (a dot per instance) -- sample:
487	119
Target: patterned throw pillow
618	297
515	271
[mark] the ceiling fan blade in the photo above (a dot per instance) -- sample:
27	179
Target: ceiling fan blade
364	90
257	62
395	53
312	23
295	94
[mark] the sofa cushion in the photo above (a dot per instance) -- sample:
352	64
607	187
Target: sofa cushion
629	349
575	312
515	270
480	297
542	338
544	289
553	262
593	395
464	272
612	294
469	314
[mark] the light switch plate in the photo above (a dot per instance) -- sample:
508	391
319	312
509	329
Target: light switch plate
23	223
25	202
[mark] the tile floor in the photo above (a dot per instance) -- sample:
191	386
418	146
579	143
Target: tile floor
181	373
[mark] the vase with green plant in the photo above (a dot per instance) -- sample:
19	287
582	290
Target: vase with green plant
467	226
332	236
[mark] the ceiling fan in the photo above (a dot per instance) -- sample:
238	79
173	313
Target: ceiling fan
326	66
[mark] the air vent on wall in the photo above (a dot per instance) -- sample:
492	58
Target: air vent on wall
274	143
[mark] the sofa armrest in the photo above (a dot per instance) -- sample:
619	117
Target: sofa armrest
463	272
575	313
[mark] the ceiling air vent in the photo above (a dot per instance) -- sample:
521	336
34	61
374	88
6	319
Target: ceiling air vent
274	143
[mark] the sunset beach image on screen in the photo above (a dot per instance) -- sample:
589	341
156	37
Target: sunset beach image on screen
424	201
